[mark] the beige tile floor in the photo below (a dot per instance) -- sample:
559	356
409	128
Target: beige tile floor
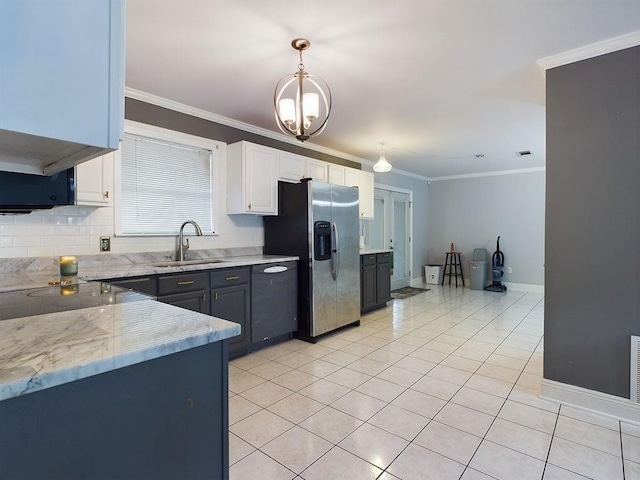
443	385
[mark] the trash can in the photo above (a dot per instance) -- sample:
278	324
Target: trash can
433	274
478	269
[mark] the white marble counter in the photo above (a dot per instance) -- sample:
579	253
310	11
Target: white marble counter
101	268
43	351
162	267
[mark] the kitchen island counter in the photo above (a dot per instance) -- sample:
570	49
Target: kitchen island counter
45	350
125	387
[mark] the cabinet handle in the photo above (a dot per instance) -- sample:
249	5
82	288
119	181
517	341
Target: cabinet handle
204	297
249	207
216	297
186	282
235	277
106	194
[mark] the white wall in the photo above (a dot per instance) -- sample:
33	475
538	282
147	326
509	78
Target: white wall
77	230
472	212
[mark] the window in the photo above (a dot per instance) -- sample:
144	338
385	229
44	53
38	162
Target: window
164	181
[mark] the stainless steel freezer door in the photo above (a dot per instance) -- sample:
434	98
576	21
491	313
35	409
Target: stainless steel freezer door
346	221
323	299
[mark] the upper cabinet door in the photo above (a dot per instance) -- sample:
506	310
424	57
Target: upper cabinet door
336	174
317	170
292	167
62	82
252	179
94	182
364	181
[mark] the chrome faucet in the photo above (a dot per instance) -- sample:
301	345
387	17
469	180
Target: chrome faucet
182	246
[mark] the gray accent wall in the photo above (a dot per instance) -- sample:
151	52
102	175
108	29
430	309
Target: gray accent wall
143	112
592	281
472	212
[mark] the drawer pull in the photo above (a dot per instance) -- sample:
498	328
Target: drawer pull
235	277
186	282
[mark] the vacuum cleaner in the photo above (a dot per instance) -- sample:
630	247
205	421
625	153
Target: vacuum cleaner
497	265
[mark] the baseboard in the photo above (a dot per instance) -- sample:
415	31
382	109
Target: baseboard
590	400
516	287
525	287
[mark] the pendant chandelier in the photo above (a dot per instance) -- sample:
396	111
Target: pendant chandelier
382	165
302	102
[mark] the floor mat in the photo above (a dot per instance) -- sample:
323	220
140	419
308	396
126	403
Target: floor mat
406	292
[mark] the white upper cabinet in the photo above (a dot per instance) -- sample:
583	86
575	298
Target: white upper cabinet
253	172
61	82
252	179
292	167
336	174
364	181
94	181
317	170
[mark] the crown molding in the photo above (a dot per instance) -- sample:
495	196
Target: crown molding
589	51
489	174
230	122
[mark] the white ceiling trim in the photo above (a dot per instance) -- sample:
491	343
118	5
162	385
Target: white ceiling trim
247	127
589	51
489	174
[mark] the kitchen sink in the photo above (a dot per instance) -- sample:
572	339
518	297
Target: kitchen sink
177	263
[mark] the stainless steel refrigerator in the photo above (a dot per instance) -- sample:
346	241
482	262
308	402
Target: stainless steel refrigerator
319	223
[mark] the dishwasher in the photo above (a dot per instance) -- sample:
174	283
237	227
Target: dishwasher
274	300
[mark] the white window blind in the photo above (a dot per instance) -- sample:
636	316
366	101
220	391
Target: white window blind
164	184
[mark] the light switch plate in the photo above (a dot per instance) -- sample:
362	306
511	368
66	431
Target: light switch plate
105	244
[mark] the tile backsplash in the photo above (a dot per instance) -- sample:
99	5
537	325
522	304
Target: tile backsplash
76	230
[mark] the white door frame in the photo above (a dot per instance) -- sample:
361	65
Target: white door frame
392	188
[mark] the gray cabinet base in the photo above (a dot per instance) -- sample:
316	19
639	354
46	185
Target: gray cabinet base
166	418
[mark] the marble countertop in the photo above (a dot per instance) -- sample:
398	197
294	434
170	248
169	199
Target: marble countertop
102	268
42	351
154	268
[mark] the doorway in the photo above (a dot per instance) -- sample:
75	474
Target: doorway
391	229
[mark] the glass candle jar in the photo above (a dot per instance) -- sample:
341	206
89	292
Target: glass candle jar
68	266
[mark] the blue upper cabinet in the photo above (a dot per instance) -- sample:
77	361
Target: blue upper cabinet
61	82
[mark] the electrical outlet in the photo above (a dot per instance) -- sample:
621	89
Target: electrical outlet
508	269
105	244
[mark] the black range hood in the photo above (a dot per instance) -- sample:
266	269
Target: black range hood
23	192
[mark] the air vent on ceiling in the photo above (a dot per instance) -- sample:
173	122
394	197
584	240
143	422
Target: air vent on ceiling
522	153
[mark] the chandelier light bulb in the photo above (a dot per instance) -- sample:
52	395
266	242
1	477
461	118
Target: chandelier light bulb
287	108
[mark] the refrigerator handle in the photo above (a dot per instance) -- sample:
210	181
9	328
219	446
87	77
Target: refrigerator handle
335	253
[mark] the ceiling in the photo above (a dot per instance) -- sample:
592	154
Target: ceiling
437	81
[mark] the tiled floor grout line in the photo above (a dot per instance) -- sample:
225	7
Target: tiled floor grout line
624	475
423	375
501	407
546	461
450	400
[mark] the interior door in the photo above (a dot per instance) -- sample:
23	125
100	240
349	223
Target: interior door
391	229
400	239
